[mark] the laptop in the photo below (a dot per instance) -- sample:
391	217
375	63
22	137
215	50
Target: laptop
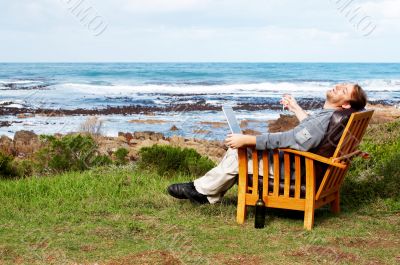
232	121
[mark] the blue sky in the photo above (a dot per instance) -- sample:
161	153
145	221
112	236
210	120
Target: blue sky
200	30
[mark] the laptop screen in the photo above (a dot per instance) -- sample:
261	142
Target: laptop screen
230	117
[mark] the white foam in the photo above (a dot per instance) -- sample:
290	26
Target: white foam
189	89
17	106
242	89
15	103
20	82
381	84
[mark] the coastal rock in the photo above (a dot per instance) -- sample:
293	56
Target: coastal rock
5	124
145	143
214	124
134	141
122	139
251	132
177	140
149	121
25	143
174	128
162	142
128	137
25	115
6	145
148	135
283	123
201	131
25	137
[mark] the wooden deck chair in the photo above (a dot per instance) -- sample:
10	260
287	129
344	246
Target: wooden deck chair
301	190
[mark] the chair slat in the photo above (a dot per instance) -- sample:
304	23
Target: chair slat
276	172
340	178
286	160
332	178
355	139
265	172
297	171
350	139
242	187
255	172
343	140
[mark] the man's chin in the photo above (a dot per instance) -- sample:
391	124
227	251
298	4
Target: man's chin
328	94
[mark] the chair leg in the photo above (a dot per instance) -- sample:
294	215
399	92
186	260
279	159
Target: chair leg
241	206
309	218
335	204
310	195
242	185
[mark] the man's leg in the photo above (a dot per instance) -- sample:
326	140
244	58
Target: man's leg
219	179
210	187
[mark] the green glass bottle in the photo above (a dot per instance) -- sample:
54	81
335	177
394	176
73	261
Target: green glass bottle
259	220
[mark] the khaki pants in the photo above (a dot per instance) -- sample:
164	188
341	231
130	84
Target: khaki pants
221	178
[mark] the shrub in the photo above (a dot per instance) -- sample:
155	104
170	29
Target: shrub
22	168
71	152
11	168
6	169
378	177
120	156
168	160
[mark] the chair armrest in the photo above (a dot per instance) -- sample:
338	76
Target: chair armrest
360	153
315	157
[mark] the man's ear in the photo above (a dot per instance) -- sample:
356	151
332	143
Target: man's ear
346	106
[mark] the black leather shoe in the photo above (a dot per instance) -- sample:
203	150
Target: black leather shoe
176	190
194	196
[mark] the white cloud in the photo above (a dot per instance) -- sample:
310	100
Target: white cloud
387	9
198	30
162	6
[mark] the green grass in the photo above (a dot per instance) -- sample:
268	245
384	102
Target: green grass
122	215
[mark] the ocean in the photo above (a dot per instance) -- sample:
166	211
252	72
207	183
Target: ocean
187	95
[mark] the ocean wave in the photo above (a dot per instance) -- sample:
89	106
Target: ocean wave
22	84
19	104
245	88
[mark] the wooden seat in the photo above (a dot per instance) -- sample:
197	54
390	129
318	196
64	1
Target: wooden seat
318	191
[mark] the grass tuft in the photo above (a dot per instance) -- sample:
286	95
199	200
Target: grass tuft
167	160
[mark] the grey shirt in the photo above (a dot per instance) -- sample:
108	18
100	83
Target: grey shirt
308	134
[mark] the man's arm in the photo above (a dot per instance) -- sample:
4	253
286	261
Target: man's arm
290	102
303	137
239	140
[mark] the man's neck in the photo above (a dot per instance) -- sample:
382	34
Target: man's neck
328	105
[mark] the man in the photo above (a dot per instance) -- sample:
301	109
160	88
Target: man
211	187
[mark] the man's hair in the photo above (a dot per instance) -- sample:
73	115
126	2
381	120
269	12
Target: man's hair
358	98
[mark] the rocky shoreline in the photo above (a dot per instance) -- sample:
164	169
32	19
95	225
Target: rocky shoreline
307	104
25	143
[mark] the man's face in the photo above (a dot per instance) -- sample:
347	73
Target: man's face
340	94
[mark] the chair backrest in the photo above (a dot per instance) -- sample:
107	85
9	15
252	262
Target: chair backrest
348	143
353	133
334	132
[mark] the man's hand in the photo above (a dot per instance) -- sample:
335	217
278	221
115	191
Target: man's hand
239	140
290	102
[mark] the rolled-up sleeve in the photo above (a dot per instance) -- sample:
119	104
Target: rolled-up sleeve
303	137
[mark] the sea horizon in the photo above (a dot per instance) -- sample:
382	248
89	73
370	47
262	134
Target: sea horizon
182	94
